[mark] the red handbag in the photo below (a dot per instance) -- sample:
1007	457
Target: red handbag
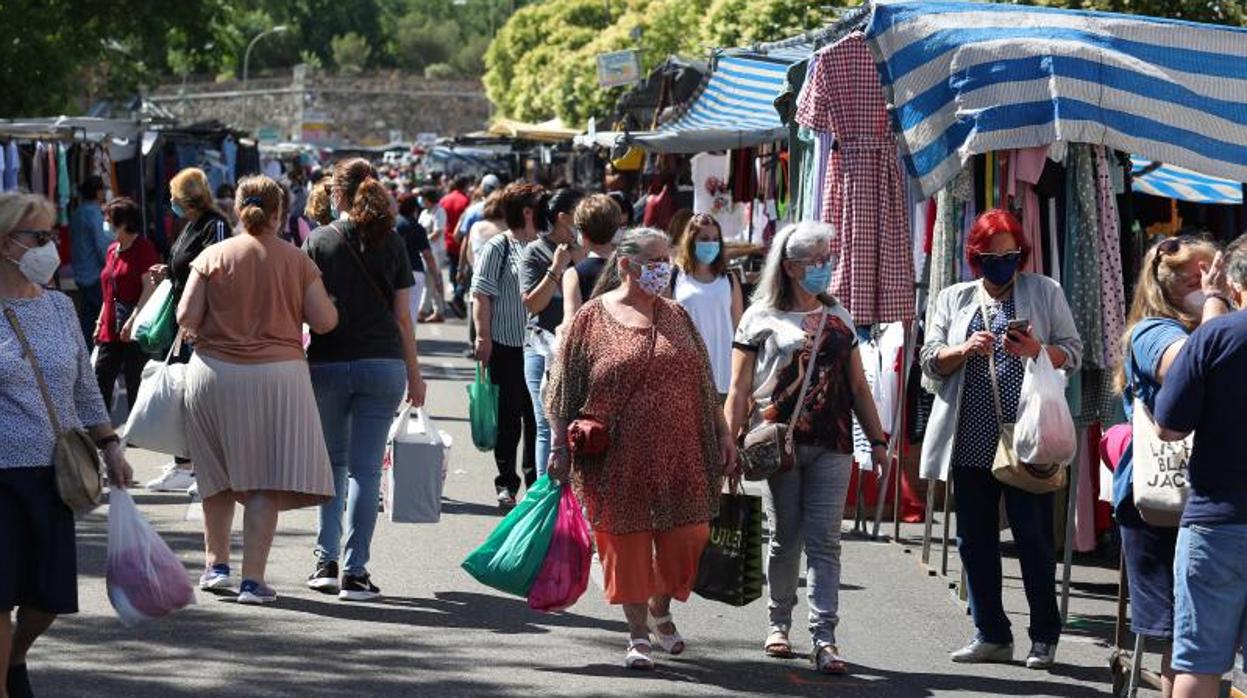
590	436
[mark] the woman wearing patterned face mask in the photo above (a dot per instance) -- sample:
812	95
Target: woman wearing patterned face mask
636	359
1025	314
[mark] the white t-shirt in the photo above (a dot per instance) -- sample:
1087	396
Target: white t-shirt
711	194
710	307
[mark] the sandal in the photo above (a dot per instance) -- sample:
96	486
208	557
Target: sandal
673	644
827	660
638	657
778	646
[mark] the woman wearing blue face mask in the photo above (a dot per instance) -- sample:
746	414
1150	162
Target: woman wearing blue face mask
995	324
795	358
709	293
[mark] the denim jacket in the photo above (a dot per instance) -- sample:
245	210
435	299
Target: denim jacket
1037	299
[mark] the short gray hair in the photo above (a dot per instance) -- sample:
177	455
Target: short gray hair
1236	262
795	241
632	244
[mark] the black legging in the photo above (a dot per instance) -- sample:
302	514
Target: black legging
116	358
515	408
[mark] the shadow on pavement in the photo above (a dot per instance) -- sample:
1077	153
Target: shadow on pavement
454	506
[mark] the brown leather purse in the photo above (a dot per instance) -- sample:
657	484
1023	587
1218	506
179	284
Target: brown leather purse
590	436
768	449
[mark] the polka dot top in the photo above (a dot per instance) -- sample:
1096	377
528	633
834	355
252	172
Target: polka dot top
977	430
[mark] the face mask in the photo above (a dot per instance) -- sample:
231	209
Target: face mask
38	264
817	279
1000	270
109	232
655	278
1194	301
707	251
177	210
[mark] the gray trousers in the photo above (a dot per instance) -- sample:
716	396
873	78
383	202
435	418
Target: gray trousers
805	508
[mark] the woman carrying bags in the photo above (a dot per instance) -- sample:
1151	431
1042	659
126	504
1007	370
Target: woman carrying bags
1178	289
1026	314
652	487
360	369
709	293
795	358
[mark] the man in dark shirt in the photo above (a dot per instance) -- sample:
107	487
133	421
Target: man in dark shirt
423	263
1204	393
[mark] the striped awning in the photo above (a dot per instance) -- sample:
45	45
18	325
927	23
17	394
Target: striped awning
734	109
964	78
1173	182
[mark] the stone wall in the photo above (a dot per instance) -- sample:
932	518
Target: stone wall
367	110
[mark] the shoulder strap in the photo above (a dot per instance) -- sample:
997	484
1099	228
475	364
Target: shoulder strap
359	262
809	374
991	361
11	316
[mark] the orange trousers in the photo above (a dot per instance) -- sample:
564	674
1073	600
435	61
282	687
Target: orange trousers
638	566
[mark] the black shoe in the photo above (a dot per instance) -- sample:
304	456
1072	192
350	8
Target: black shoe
506	500
358	588
325	578
17	683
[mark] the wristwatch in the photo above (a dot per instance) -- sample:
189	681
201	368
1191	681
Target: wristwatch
878	442
103	443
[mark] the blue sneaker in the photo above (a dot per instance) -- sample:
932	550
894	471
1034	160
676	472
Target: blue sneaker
215	577
255	593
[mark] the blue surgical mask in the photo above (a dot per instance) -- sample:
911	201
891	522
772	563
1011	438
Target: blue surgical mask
1000	269
817	278
707	251
177	210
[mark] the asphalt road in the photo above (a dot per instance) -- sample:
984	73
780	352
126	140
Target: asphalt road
437	632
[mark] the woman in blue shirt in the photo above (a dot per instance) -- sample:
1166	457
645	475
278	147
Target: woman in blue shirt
1176	291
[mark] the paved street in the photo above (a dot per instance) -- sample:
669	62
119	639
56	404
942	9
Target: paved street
437	632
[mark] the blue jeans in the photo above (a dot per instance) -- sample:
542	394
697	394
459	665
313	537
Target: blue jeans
1210	597
976	494
535	377
805	507
357	401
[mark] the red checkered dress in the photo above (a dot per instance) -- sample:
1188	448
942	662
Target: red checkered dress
864	194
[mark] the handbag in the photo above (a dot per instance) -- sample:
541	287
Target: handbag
157	422
768	449
1160	482
730	570
157	335
75	459
483	410
590	436
1036	478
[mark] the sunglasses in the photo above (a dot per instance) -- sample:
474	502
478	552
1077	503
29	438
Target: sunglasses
1170	246
42	237
1011	256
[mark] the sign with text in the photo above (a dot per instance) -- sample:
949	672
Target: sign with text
619	68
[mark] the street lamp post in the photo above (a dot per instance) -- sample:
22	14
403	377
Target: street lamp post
246	67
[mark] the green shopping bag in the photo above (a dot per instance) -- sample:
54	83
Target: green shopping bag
483	410
512	555
156	338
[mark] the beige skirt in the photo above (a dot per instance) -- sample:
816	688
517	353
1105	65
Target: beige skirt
255	427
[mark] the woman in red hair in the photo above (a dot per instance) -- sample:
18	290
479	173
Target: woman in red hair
992	325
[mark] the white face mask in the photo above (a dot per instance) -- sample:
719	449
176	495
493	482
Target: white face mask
1194	302
109	231
38	264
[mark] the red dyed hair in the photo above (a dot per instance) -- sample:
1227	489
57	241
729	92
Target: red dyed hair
988	225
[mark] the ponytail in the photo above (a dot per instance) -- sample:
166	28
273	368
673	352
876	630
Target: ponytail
371	212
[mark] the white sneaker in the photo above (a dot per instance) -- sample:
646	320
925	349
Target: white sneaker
193	490
173	479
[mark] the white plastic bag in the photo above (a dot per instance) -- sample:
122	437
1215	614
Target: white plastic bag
157	421
1044	432
145	579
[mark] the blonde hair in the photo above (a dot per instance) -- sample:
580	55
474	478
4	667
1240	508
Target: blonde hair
191	189
318	206
16	207
1152	297
256	200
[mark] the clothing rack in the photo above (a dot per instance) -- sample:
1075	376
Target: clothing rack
852	19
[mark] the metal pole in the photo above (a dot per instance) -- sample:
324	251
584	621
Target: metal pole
246	69
948	498
897	436
1071	509
928	522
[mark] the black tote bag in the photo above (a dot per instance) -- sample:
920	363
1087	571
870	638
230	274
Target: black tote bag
731	566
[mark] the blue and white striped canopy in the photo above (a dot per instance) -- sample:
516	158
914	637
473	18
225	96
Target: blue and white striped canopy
735	108
965	78
1178	183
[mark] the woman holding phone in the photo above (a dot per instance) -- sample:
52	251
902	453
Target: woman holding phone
982	334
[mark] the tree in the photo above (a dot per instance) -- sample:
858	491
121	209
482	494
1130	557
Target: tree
350	53
421	42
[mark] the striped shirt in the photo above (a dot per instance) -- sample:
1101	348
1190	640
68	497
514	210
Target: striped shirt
498	277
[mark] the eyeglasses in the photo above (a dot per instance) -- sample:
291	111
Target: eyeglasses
42	237
1010	256
816	263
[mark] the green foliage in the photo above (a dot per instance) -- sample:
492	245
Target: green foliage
419	42
440	71
350	53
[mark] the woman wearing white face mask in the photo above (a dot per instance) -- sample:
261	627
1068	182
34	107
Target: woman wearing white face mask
37	546
793	327
709	293
635	362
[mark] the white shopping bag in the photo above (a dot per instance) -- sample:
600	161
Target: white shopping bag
1044	432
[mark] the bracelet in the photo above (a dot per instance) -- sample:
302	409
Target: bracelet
878	442
559	449
103	443
1219	297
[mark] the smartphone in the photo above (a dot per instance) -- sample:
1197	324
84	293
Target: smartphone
1022	326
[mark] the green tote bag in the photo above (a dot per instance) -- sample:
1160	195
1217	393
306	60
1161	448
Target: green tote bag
483	410
512	555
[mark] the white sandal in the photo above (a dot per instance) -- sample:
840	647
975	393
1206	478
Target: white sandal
672	644
638	657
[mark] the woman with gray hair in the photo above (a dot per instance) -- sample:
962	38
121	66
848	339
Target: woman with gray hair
38	568
795	358
633	371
